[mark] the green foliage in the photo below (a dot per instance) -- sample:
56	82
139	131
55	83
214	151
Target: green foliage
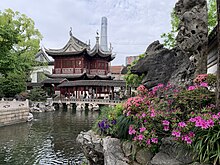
122	126
169	38
37	94
189	101
104	113
19	42
109	115
212	14
211	80
13	84
207	145
134	80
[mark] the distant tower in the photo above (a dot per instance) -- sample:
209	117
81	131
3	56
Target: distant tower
103	38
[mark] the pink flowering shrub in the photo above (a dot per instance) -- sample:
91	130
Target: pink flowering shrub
165	111
194	99
200	78
170	111
210	79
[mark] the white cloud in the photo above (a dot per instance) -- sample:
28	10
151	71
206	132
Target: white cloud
132	24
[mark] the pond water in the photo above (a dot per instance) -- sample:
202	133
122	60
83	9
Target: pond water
49	139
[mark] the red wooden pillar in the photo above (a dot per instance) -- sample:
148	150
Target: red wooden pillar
76	93
113	93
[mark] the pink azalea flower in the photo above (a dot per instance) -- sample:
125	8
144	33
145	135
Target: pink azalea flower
203	124
131	131
143	115
182	124
191	88
187	139
128	113
154	140
140	137
215	117
204	84
165	122
135	138
148	142
210	123
160	85
142	129
176	133
191	134
152	114
166	128
137	104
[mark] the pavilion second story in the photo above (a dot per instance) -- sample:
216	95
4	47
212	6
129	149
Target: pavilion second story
76	59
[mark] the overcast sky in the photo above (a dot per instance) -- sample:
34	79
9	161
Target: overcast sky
132	24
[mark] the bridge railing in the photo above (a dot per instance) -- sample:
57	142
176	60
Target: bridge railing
73	100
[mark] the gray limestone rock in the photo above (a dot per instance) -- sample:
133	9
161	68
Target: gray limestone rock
188	58
192	37
176	150
164	159
161	65
172	153
127	148
113	152
144	156
91	145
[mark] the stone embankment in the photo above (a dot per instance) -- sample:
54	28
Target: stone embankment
12	112
111	151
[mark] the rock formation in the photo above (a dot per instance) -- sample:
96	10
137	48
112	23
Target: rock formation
161	65
192	37
108	151
188	58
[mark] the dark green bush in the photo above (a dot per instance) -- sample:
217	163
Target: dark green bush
193	100
37	94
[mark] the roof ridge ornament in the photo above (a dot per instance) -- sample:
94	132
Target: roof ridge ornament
97	41
71	34
97	33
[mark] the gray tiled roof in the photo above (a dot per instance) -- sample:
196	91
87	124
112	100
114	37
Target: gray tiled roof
75	47
53	81
89	76
109	83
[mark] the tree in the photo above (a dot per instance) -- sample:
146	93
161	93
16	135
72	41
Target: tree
169	38
12	84
19	42
37	94
134	80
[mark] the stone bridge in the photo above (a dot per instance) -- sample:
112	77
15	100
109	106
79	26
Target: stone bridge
86	101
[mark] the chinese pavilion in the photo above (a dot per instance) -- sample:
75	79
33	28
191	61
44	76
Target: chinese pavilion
82	72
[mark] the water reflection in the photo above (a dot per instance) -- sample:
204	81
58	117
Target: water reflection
49	139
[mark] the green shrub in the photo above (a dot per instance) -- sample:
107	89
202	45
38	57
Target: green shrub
104	113
37	94
207	145
122	126
188	101
12	84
